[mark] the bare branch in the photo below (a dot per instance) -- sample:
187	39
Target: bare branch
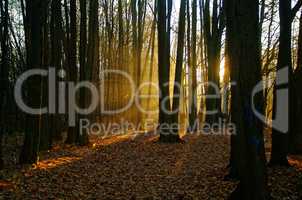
295	9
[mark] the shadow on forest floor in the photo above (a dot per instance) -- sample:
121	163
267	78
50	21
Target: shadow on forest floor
120	167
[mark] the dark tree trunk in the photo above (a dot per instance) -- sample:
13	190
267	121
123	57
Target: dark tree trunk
280	139
135	51
179	62
296	136
4	67
121	52
73	72
32	130
56	37
193	70
213	29
164	74
82	139
46	135
244	53
91	69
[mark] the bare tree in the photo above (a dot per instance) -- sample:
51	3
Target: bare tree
280	140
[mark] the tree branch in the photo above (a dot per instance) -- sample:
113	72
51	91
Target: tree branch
295	9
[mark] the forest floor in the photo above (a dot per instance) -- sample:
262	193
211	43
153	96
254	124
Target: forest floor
123	167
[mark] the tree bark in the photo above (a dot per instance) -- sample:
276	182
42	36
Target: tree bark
296	136
179	63
4	67
244	56
29	152
91	69
56	37
213	28
83	139
164	74
72	57
193	71
280	140
46	136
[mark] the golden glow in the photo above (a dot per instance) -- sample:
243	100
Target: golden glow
222	71
296	161
114	139
52	163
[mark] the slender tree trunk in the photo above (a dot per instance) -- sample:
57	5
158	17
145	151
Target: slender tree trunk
193	70
72	60
121	51
280	141
4	67
202	59
82	139
92	59
164	75
179	62
56	36
151	72
135	50
46	137
213	28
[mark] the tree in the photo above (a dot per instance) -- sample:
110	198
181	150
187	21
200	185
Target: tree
46	135
164	73
56	40
138	10
4	68
29	153
213	29
193	69
179	61
296	136
279	139
243	37
152	46
72	58
89	72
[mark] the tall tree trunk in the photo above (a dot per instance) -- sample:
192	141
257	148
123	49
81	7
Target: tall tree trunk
152	43
138	10
244	53
32	130
121	51
4	67
280	140
193	70
92	59
202	59
164	74
56	36
296	136
135	50
179	62
46	136
213	28
83	67
72	61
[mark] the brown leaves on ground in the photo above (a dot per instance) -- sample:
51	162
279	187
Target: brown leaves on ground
120	167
